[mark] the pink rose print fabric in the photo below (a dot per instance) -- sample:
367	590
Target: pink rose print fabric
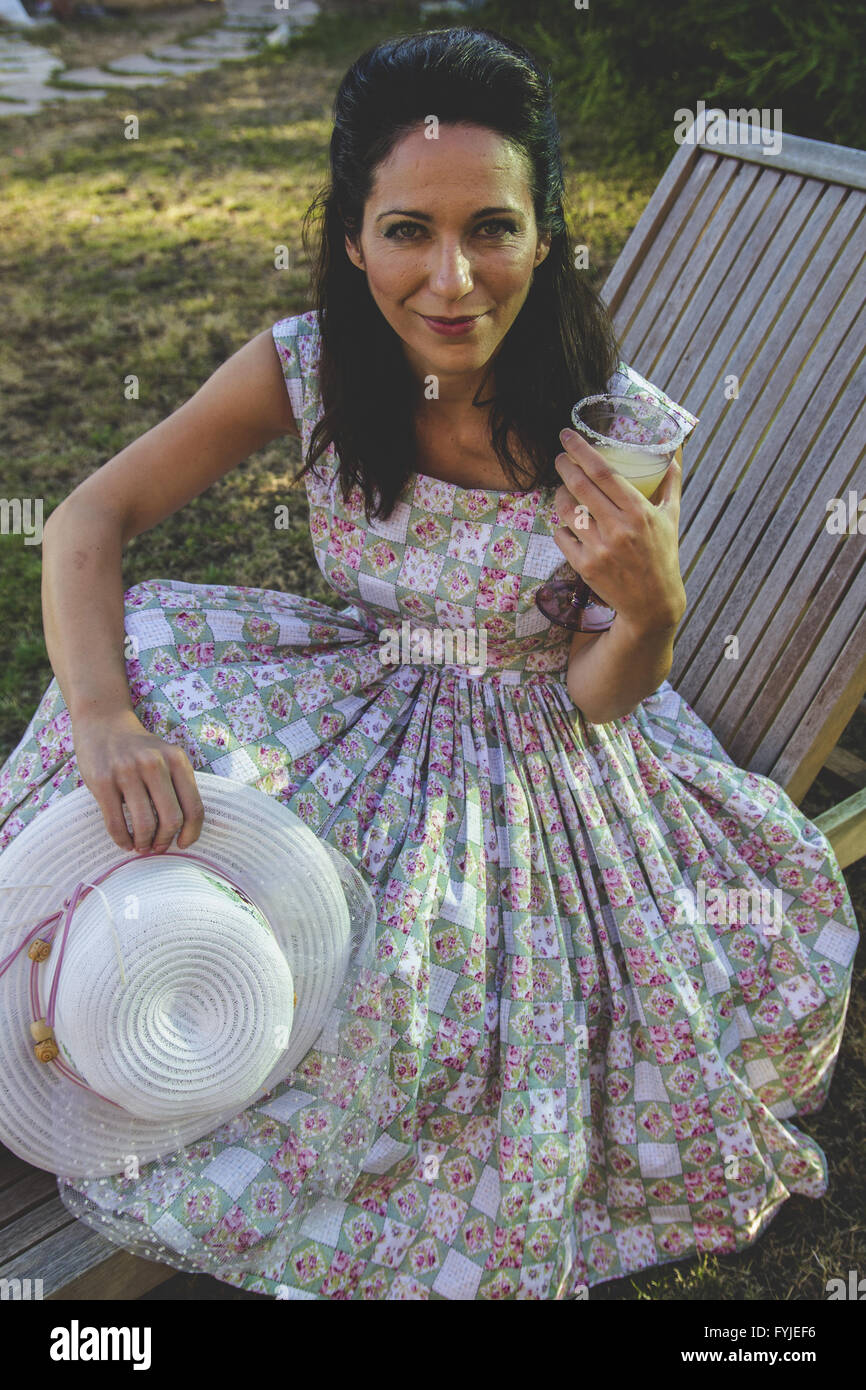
591	1072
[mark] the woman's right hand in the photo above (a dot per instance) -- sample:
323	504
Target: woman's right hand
119	762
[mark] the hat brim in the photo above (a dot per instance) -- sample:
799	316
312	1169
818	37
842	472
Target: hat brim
321	910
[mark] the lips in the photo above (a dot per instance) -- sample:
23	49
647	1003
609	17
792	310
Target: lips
456	328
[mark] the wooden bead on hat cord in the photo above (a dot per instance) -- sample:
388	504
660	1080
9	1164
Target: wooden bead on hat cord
46	1048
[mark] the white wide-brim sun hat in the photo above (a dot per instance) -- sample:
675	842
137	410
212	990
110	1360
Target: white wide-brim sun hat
176	992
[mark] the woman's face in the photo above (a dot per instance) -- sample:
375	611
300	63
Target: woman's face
449	231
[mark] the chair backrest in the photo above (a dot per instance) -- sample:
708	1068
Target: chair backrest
751	266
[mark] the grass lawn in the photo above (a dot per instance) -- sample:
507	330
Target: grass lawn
155	257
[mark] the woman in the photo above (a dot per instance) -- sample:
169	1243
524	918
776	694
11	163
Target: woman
592	1073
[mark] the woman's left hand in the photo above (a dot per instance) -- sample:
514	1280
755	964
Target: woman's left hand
624	546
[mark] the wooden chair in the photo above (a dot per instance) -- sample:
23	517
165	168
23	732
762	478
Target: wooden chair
40	1240
751	265
743	263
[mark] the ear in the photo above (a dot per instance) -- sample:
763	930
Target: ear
353	251
543	250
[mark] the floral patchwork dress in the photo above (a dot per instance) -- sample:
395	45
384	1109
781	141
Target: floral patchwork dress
595	1062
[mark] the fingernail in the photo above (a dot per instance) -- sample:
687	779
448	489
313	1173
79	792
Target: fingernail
567	435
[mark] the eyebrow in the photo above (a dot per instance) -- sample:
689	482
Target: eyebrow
425	216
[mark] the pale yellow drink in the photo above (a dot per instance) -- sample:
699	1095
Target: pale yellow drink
632	464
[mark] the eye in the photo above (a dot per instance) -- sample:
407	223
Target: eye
400	227
502	225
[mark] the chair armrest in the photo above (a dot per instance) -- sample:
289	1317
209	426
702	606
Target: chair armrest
845	828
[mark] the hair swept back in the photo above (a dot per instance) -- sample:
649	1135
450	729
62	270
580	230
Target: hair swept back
562	344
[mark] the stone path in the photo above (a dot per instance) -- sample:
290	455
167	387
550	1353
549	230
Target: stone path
29	74
31	77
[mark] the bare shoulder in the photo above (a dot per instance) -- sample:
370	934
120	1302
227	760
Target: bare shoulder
254	377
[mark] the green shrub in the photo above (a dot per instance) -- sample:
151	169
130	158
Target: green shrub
625	66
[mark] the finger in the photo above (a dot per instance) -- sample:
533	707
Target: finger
669	490
169	815
570	512
570	546
658	495
111	805
141	812
189	797
580	491
582	467
580	520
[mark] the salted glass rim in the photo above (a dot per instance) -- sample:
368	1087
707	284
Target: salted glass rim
667	447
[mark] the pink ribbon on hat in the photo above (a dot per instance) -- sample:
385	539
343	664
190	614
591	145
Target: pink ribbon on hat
79	892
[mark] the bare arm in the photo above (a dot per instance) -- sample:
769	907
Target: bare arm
240	408
609	676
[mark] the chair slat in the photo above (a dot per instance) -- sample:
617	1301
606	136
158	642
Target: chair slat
689	167
849	766
748	345
664	280
715	273
11	1168
783	623
747	565
117	1276
823	685
17	1237
59	1255
768	360
803	666
753	268
27	1192
725	305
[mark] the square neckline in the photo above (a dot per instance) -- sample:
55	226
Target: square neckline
487	491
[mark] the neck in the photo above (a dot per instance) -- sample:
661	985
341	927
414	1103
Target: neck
456	397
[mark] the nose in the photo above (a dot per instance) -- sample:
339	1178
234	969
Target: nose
451	271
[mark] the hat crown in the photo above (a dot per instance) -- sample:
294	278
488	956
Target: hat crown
174	996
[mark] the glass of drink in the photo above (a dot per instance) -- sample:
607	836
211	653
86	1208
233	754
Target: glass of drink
637	438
